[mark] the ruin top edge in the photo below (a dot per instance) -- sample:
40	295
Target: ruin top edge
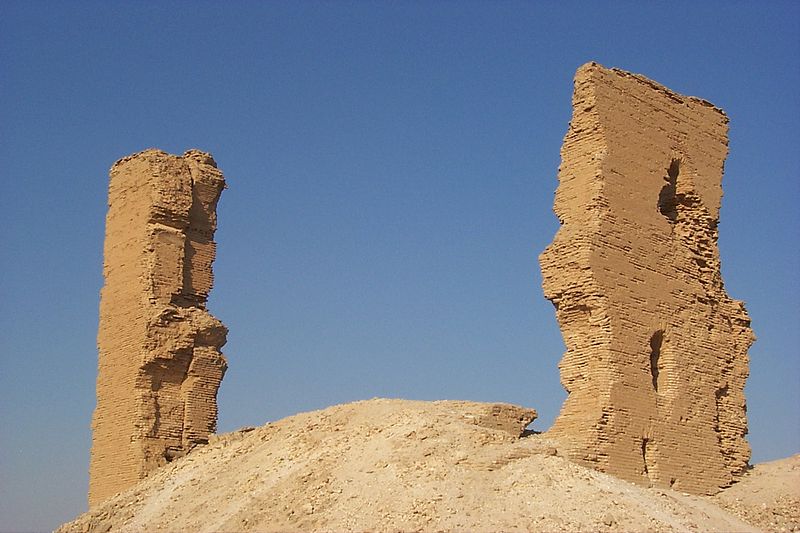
586	71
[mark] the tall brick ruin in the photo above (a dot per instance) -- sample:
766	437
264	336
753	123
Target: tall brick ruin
656	358
159	348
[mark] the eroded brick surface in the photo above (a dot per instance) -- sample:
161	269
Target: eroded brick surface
160	363
656	357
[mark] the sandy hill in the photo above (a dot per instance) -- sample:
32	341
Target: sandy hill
396	465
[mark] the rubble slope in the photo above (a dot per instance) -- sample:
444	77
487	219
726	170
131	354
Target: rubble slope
397	465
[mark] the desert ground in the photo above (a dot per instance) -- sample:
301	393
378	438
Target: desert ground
398	465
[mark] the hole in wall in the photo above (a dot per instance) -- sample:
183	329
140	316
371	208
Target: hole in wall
172	452
644	455
656	340
720	398
650	467
667	198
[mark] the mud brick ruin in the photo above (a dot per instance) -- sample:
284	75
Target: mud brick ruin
656	356
159	349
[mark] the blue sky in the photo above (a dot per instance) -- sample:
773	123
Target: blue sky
391	169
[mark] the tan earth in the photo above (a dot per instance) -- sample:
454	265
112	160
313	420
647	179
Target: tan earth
397	465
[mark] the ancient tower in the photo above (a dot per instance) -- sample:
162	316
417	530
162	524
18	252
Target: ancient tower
656	356
159	348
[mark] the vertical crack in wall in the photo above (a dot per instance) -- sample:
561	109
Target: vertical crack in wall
160	364
638	200
667	197
655	355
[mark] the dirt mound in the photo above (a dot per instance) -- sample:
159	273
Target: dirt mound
768	496
396	465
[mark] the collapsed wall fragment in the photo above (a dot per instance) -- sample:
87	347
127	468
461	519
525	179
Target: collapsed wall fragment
160	364
656	357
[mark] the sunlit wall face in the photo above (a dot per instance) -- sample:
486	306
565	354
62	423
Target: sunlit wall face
391	170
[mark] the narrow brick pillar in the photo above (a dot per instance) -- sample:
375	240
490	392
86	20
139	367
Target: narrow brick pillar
160	364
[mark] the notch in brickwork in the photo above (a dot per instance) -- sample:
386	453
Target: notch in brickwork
656	340
668	197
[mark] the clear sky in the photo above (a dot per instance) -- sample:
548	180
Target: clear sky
391	169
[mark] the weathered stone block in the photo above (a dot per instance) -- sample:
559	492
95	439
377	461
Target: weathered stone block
656	357
160	363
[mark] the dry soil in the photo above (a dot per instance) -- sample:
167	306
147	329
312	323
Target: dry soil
397	465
